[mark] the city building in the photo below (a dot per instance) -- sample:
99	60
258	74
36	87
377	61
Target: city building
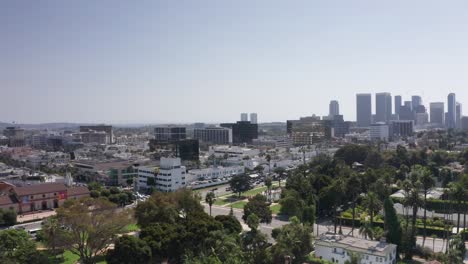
244	117
186	149
15	136
38	197
213	135
383	107
398	104
416	101
421	118
94	137
233	151
459	114
146	178
338	249
401	128
110	172
451	111
334	108
311	130
169	133
215	172
242	131
437	113
406	111
464	123
379	132
339	127
171	176
253	118
363	110
100	128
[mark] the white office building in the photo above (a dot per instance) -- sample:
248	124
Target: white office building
171	176
379	131
146	178
338	249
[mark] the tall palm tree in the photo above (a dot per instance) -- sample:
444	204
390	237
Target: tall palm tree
268	184
210	198
427	182
457	194
373	205
415	201
353	186
406	186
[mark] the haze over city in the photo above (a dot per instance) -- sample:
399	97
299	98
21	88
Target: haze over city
187	61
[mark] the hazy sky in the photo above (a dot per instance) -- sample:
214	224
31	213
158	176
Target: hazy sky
188	61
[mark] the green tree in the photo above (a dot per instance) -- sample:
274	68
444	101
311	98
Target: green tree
17	248
230	223
353	186
129	250
258	205
210	198
53	236
9	217
293	240
373	205
240	184
392	223
268	184
352	153
280	172
427	182
354	258
254	243
91	225
366	230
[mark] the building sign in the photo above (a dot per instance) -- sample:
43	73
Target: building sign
62	195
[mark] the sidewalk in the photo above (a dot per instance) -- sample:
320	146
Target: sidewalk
34	216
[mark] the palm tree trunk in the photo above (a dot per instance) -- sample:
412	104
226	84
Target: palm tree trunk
354	216
424	222
458	216
210	209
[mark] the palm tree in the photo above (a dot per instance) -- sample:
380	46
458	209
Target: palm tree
210	198
427	182
458	194
268	184
268	159
373	205
353	186
406	188
366	230
433	242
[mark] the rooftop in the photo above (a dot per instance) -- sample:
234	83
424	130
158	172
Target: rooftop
356	244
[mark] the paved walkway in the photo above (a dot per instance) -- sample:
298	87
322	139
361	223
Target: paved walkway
34	216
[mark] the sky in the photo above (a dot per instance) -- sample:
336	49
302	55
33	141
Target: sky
113	61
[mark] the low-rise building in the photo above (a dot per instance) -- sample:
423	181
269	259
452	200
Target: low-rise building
216	172
379	131
213	135
338	249
232	151
37	197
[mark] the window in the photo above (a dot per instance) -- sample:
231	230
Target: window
32	197
43	196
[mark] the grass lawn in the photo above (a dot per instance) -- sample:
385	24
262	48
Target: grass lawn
254	191
275	208
69	257
131	228
239	205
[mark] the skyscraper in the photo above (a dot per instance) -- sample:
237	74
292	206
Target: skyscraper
458	115
416	101
334	108
383	107
397	104
451	111
253	118
437	113
363	110
244	117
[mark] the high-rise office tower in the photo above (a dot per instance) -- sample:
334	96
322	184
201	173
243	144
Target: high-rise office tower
244	117
397	104
451	111
334	108
458	115
437	113
416	101
253	118
363	110
383	107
